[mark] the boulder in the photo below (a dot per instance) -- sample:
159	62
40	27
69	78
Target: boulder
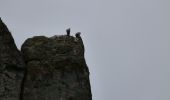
56	69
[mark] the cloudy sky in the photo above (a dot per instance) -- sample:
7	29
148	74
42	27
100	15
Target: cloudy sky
127	41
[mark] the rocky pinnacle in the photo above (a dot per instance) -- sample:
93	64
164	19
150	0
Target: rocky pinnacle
46	68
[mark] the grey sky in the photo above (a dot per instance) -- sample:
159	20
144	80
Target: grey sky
127	41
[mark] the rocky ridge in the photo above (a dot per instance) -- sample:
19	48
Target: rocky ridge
45	69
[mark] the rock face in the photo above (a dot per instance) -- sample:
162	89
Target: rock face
56	69
45	69
11	66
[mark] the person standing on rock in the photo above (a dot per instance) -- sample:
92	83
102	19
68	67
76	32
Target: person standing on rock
68	31
77	36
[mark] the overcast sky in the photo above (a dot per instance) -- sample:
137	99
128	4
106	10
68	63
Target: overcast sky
127	41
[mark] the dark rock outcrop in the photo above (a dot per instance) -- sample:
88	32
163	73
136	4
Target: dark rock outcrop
56	69
46	68
11	66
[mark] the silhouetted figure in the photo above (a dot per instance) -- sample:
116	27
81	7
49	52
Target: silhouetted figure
68	31
78	34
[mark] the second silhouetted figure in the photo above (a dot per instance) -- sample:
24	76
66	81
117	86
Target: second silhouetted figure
78	34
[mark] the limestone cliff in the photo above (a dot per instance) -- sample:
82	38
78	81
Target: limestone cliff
51	68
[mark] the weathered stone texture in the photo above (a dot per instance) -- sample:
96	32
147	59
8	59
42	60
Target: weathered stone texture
45	69
11	66
56	69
